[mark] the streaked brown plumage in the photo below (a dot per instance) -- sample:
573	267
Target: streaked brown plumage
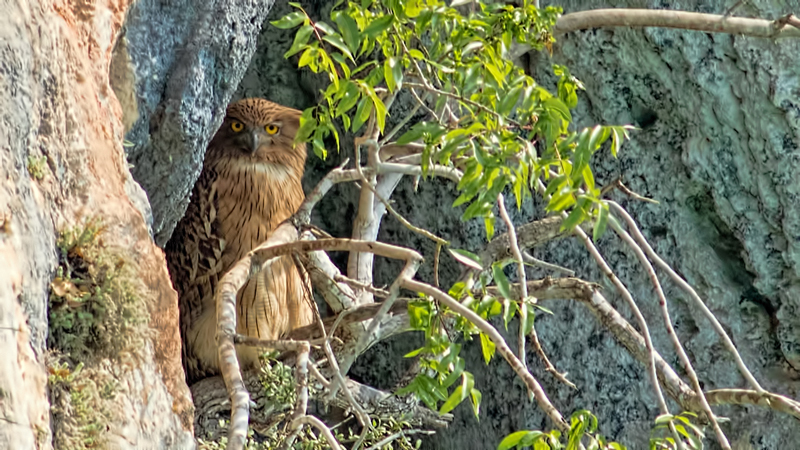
250	183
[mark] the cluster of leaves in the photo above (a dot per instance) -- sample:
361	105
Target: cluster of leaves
79	399
278	398
485	116
662	438
583	426
489	118
439	356
94	310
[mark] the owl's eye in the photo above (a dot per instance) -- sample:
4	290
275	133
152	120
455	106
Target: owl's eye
237	126
271	128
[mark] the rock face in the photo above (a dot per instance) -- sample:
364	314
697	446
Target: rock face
62	163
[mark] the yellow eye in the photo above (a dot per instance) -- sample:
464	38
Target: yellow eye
271	128
237	126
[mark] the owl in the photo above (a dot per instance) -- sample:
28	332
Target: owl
249	184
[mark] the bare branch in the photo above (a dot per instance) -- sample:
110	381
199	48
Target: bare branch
626	295
546	265
319	425
529	235
710	23
748	397
662	301
726	340
523	279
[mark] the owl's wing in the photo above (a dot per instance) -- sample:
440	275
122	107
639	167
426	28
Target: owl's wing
194	255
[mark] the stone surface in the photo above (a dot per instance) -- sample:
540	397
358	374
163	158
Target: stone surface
62	163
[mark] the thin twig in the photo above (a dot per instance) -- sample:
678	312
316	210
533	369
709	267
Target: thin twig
626	295
726	340
523	279
357	284
530	259
398	216
662	301
319	425
464	100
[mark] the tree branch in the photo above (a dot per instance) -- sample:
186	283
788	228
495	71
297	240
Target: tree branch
784	27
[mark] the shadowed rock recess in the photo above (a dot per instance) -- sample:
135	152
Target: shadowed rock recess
719	120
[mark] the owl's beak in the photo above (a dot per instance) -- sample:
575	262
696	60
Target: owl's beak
254	141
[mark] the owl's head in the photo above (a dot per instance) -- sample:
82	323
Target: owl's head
256	131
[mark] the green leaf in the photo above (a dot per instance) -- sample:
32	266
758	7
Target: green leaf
416	54
509	101
290	20
601	223
379	26
455	398
350	95
307	125
514	439
558	106
413	134
324	27
419	314
412	8
337	41
509	309
487	348
393	73
488	223
501	281
349	30
362	113
476	402
575	218
458	369
466	258
308	57
300	40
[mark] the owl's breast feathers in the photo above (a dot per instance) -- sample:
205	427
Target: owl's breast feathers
235	205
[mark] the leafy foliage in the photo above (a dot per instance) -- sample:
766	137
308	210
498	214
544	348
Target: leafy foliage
488	117
691	435
485	117
583	425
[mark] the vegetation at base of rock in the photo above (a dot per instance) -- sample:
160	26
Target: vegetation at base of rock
97	320
80	401
36	166
277	402
95	310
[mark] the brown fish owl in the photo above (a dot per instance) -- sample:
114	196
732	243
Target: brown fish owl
250	183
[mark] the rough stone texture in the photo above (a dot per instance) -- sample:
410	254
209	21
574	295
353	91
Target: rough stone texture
56	103
187	59
720	127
